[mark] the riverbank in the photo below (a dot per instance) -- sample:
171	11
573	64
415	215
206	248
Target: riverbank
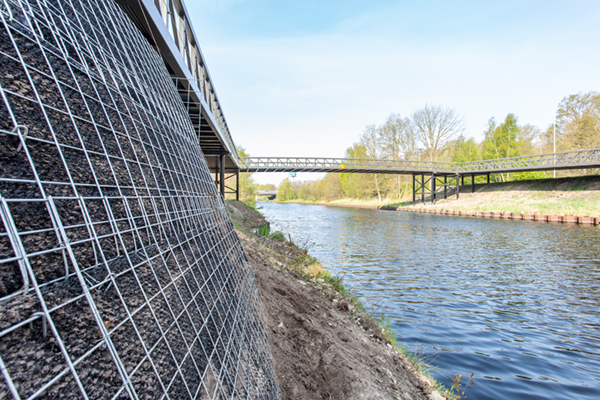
324	345
563	200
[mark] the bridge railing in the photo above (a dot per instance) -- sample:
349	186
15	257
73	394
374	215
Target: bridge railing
177	21
339	164
589	158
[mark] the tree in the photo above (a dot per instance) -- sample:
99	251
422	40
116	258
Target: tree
465	150
247	188
285	191
332	187
502	141
578	121
355	185
398	141
436	126
370	140
267	186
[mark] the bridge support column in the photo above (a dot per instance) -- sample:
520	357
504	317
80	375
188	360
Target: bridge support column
473	183
237	185
462	180
422	188
414	189
222	175
445	187
432	188
458	186
488	175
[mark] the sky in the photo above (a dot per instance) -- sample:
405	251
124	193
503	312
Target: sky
303	78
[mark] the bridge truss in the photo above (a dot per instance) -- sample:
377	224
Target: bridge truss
430	179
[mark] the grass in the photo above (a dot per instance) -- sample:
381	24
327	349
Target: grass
265	231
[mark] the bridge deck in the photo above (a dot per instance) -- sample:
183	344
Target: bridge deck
581	159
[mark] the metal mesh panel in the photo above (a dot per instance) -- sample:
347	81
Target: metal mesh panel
120	272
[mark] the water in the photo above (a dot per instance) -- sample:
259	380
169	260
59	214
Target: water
515	302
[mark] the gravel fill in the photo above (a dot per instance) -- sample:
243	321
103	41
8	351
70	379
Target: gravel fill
120	272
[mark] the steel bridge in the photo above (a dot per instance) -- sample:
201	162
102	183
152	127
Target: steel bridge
431	178
166	25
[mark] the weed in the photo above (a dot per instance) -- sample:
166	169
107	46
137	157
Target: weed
263	230
277	236
384	323
455	389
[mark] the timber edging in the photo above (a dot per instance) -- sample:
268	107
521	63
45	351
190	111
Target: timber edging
565	219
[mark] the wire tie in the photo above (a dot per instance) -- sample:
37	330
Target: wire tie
44	326
10	14
17	129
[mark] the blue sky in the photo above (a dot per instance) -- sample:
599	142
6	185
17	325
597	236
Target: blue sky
303	78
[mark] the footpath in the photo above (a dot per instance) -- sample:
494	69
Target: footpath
324	344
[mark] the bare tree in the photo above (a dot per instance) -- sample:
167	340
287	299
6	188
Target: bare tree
370	139
436	126
398	141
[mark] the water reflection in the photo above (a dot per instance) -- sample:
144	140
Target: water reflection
515	302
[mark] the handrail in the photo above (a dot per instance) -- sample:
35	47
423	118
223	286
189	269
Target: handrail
176	18
562	160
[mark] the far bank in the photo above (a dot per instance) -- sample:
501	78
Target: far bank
567	200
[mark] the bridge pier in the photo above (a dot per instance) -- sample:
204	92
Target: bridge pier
420	182
237	185
222	175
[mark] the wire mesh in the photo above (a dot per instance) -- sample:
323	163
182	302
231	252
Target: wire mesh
120	272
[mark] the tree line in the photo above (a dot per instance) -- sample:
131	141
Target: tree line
436	133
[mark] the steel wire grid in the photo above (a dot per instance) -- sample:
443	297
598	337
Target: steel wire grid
120	272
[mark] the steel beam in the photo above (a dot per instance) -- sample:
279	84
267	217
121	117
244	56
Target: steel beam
581	159
222	175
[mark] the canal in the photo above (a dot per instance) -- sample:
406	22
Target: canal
515	302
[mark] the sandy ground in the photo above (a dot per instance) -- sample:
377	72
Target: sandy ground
323	348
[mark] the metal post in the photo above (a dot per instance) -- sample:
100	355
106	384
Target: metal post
432	189
457	186
217	172
473	183
462	179
414	189
222	175
422	188
554	147
488	177
237	185
445	187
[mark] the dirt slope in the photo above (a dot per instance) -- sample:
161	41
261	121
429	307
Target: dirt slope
323	348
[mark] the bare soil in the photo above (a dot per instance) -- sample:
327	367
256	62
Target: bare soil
322	346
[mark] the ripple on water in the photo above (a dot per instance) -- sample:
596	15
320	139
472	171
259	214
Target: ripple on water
515	302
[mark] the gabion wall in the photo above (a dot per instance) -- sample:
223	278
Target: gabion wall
121	275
